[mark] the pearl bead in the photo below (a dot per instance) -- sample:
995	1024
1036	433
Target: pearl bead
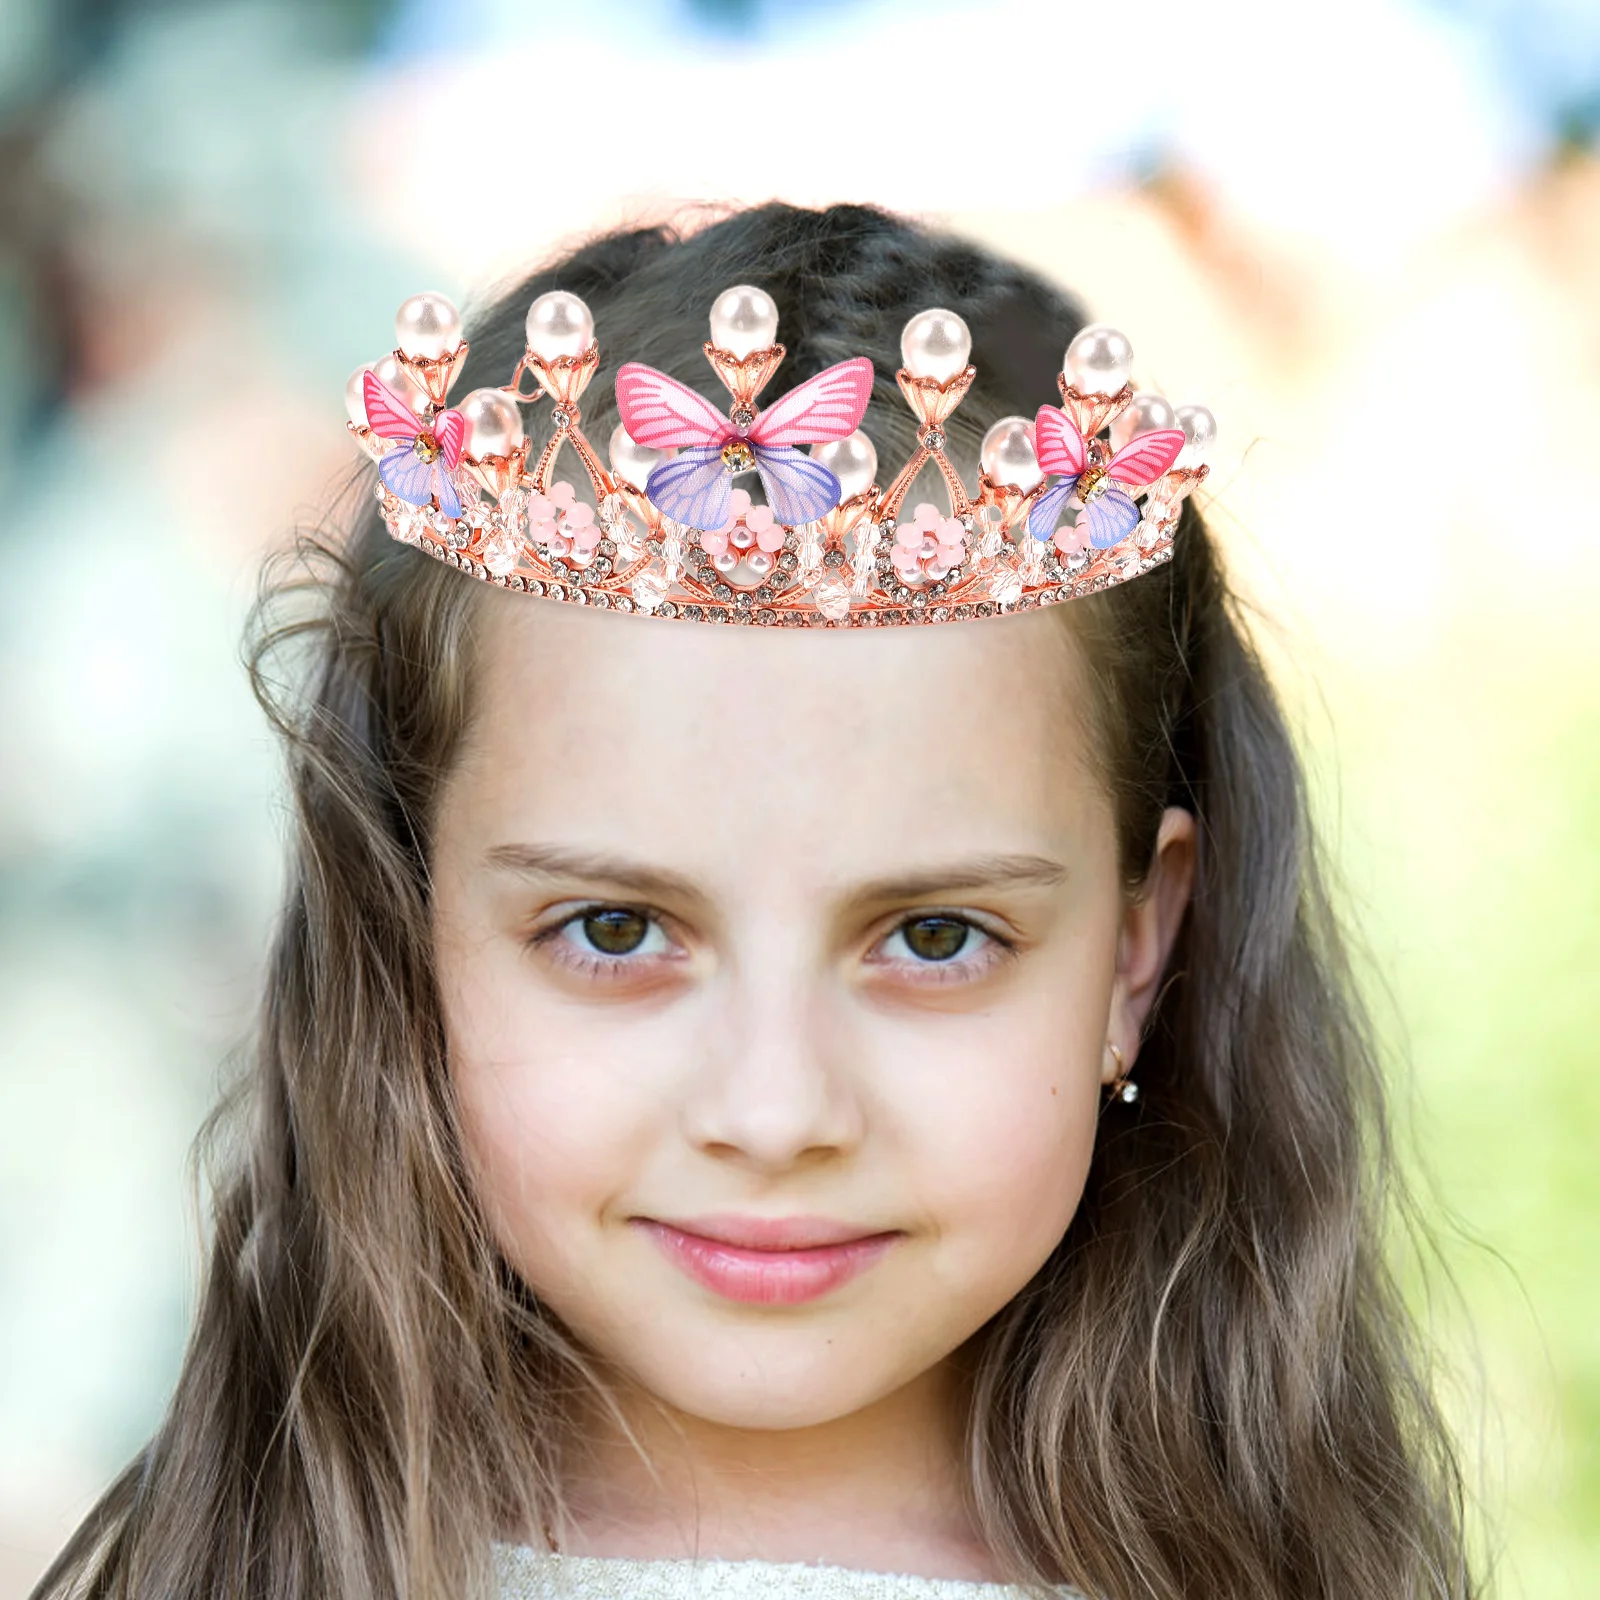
559	324
1200	432
726	561
853	461
759	563
426	327
744	320
1099	360
1146	412
389	372
355	398
631	462
1008	455
741	538
935	344
494	425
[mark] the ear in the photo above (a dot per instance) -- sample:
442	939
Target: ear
1150	923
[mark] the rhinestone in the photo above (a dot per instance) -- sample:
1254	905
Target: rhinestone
621	602
834	558
556	591
607	547
963	612
933	439
788	561
741	416
886	528
601	566
534	586
579	597
940	613
561	416
723	591
602	600
742	601
1129	1093
765	616
668	609
985	609
692	613
918	601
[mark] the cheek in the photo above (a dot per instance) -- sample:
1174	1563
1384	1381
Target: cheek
552	1111
1004	1147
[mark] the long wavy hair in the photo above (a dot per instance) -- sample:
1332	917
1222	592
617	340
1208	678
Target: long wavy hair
1211	1388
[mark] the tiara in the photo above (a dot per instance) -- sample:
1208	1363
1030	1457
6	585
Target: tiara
1084	495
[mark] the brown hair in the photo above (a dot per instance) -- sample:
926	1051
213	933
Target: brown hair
1212	1387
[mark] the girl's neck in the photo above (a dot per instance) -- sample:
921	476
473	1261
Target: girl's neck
878	1490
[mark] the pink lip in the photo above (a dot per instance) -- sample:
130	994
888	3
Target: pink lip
772	1261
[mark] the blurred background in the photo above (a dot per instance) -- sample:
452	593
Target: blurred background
1367	235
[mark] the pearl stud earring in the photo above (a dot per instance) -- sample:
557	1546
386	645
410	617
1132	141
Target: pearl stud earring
1122	1087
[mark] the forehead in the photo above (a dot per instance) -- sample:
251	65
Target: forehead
922	740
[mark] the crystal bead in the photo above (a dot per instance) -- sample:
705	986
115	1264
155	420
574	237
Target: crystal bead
833	599
501	553
1005	587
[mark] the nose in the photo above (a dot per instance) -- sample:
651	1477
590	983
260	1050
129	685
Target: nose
775	1087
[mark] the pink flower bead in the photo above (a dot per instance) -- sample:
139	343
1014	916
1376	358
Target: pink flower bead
766	527
714	541
908	536
1072	541
563	495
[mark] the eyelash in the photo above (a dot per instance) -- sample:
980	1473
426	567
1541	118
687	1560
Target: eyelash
594	964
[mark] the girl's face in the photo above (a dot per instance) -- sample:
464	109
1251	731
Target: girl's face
778	970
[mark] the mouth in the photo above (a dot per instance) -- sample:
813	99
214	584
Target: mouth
773	1261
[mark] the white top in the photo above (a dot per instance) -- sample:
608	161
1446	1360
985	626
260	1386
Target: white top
528	1574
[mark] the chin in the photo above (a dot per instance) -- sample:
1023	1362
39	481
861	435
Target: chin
770	1378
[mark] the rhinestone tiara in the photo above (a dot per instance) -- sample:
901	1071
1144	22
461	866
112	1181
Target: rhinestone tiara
1084	495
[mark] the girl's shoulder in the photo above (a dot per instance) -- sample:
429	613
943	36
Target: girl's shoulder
528	1574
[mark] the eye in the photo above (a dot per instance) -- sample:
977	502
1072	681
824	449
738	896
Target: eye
936	938
612	930
607	941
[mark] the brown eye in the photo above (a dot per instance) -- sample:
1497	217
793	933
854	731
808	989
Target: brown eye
936	938
615	931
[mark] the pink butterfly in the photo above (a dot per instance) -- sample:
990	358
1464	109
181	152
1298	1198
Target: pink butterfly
693	487
1101	486
419	473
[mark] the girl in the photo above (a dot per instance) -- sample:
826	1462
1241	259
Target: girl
690	1144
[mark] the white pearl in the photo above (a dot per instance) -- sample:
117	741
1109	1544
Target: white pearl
559	324
631	462
1008	455
1099	360
853	461
744	320
935	344
741	538
494	425
354	396
725	560
759	563
1145	413
389	372
426	327
1200	432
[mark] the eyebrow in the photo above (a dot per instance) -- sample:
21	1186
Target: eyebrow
977	872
